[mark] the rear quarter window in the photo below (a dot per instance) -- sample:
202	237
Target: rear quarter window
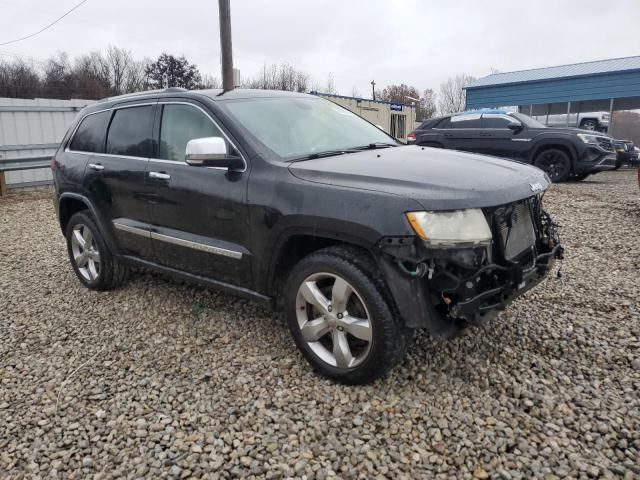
90	134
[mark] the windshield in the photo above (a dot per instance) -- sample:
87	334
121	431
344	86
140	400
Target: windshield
297	127
528	121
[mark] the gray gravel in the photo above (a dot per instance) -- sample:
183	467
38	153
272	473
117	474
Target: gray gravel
162	379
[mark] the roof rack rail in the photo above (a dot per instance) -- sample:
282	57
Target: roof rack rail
175	89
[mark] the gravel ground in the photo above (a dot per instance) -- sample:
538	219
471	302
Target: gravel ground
165	379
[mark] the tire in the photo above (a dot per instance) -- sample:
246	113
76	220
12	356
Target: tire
589	124
360	339
618	164
95	266
579	178
555	162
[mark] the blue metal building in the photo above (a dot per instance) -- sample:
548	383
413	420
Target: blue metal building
612	84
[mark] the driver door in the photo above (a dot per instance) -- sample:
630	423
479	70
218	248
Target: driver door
199	213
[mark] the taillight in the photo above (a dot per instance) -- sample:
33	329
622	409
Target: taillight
54	164
411	137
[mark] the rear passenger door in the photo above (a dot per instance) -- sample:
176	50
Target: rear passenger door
463	132
201	224
115	180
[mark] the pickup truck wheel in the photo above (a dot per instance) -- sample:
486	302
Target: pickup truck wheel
340	320
90	257
589	125
555	162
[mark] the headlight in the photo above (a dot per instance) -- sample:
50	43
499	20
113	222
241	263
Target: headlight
451	228
586	138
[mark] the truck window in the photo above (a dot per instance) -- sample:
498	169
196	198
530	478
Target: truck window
130	132
89	136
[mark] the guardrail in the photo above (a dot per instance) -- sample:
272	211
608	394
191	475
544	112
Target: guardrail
15	164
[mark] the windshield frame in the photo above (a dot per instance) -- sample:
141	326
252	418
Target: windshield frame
261	148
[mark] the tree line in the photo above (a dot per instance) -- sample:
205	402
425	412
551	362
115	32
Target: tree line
115	71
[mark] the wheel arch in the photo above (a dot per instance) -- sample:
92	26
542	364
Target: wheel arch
555	144
71	203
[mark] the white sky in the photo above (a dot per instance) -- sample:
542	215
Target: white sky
420	43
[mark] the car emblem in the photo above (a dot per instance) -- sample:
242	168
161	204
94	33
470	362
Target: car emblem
536	187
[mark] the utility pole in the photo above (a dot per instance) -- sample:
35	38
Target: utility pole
373	89
225	44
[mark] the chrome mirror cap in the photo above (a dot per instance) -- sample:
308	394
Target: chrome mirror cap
200	150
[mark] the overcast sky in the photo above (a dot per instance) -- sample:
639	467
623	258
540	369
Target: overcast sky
420	43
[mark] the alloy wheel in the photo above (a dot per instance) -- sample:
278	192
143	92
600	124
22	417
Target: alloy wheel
553	163
334	320
85	252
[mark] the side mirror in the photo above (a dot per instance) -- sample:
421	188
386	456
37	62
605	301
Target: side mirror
211	152
515	127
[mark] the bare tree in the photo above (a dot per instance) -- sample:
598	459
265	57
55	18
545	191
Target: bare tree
354	92
428	106
278	77
19	79
209	81
452	95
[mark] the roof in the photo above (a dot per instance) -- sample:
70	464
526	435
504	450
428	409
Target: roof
562	71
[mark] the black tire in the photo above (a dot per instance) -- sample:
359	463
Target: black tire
589	124
579	178
110	273
555	162
618	164
390	339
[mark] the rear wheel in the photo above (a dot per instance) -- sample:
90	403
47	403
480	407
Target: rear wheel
341	319
556	164
90	257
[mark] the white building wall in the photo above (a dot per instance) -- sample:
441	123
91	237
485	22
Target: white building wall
34	128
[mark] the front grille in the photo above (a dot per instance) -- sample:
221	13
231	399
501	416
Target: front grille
605	143
515	227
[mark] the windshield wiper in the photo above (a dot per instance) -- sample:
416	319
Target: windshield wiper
373	146
326	153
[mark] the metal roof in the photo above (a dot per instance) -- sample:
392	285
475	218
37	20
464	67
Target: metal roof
562	71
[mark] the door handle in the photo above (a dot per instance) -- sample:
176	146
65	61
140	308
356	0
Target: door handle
160	175
96	166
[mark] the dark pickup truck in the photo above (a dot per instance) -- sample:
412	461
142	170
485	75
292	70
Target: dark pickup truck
563	153
291	200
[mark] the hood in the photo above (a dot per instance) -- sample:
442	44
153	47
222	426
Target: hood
438	179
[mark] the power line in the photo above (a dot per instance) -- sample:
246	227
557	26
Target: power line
48	26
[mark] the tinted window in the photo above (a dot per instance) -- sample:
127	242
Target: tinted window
497	121
130	132
466	121
89	136
181	123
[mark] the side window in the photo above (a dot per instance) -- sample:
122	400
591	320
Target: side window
89	136
181	123
466	121
492	120
444	123
130	132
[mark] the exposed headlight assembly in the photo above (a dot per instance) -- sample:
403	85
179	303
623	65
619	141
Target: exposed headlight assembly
586	138
453	228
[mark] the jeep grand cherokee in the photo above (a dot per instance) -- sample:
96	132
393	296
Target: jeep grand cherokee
292	200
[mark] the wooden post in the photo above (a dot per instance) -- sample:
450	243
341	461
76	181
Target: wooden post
225	45
3	185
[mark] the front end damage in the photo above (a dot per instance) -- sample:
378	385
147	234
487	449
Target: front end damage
448	289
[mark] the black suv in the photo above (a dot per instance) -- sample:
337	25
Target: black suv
294	201
563	153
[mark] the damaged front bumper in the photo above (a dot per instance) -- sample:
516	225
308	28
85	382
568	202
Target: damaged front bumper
445	290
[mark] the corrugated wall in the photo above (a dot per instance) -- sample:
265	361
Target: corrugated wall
593	87
34	128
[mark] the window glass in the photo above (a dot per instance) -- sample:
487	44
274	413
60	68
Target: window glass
181	123
492	120
130	132
89	136
466	121
297	126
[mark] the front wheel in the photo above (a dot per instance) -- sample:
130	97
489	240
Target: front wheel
340	318
555	163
